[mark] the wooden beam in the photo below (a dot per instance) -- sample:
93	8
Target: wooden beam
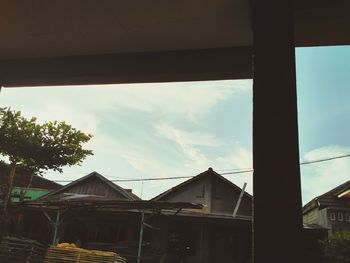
277	218
187	65
239	200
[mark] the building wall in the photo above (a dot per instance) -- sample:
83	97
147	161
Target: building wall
338	220
225	198
329	218
31	194
218	196
196	192
311	217
209	241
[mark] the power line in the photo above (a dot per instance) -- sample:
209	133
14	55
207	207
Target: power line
326	159
138	179
191	176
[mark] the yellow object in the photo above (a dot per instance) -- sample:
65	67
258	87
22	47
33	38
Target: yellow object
66	245
65	252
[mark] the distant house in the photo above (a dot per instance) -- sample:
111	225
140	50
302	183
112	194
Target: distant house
188	235
83	225
99	214
330	210
24	187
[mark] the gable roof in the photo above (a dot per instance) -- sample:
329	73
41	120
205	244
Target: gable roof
123	192
329	199
22	178
209	172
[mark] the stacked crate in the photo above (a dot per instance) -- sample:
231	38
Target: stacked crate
18	250
78	255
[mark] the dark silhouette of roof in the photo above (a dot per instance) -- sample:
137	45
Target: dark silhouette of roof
125	193
209	172
22	179
329	199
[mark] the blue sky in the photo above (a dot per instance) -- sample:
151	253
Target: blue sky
181	129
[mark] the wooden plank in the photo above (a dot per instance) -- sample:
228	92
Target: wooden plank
77	255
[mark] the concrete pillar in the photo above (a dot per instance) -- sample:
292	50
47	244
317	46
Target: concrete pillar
277	222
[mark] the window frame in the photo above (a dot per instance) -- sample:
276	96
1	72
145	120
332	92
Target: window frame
340	216
347	217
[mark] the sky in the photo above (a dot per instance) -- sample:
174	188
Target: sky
159	130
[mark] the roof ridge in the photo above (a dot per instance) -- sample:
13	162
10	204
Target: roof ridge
196	177
333	189
116	187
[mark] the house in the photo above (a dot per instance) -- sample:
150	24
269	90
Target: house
212	234
97	214
209	188
35	224
331	209
25	186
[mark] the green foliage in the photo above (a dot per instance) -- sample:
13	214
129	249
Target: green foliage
38	147
338	247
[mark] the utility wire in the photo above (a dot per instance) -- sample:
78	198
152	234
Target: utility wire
327	159
191	176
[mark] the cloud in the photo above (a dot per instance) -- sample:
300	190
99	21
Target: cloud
184	137
123	119
319	178
188	143
240	159
185	99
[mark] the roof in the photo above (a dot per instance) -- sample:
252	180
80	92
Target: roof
124	192
209	172
85	42
329	199
22	179
314	226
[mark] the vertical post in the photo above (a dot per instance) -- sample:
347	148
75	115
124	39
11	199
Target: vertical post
277	220
141	236
56	224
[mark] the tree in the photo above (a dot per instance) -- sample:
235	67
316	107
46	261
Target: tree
338	247
38	147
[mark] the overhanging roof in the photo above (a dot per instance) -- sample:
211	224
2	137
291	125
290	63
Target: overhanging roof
113	41
103	203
